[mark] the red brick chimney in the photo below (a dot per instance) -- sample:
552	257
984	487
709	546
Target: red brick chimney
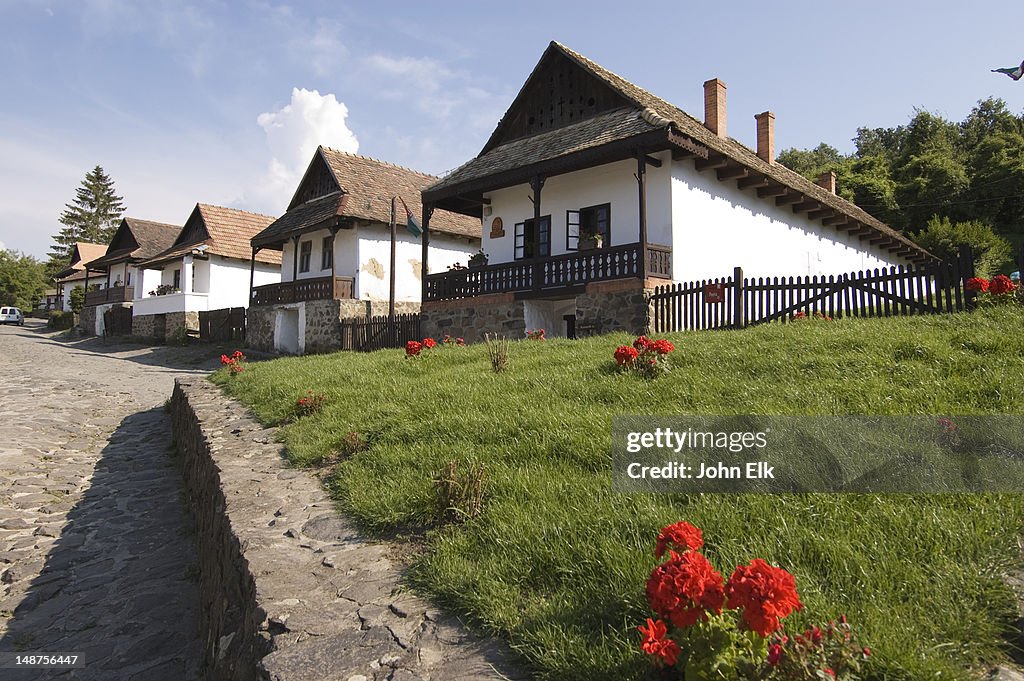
827	181
714	106
766	136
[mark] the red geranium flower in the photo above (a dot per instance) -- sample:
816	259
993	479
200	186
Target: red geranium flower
681	535
625	355
977	284
766	594
429	343
657	643
662	347
774	654
642	343
1001	285
685	588
412	348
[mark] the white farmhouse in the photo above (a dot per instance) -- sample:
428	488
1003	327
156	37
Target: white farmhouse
208	267
335	245
593	191
134	241
79	270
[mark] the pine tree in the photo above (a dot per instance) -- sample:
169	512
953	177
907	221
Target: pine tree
92	217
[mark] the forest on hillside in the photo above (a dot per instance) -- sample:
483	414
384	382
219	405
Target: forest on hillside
965	177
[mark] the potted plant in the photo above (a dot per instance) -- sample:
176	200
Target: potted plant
591	240
477	260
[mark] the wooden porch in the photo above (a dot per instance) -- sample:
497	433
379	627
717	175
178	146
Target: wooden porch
560	273
113	294
320	288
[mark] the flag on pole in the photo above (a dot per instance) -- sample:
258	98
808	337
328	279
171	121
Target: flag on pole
1014	72
411	223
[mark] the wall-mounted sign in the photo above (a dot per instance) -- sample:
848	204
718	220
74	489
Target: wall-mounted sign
497	229
714	293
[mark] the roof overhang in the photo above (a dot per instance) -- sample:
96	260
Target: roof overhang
467	197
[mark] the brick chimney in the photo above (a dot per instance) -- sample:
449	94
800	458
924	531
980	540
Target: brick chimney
827	181
766	136
714	106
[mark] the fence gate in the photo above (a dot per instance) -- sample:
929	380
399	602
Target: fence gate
227	324
736	302
377	333
117	321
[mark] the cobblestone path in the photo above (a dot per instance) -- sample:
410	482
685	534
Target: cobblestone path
96	555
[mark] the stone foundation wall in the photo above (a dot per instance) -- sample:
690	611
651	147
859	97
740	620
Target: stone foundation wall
87	320
323	321
178	321
288	589
323	325
614	306
144	327
472	318
259	327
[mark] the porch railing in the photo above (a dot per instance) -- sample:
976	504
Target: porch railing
320	288
553	273
113	294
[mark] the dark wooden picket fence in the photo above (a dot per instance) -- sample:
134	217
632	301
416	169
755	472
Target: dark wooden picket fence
736	302
378	333
226	324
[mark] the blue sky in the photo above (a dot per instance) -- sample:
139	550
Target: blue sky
224	102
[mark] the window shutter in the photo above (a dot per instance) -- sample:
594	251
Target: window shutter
544	237
572	230
520	240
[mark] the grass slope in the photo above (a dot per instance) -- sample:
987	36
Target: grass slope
557	562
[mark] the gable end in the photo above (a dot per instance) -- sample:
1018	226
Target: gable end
558	93
318	181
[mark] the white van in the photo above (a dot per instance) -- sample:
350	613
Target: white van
11	315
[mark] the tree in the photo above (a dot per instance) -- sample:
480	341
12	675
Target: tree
22	280
77	299
944	238
92	217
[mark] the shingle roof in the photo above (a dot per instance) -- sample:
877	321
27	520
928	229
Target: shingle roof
82	253
367	186
224	231
136	240
651	113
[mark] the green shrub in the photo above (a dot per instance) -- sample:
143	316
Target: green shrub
61	320
944	238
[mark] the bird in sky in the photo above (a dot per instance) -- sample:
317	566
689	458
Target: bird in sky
1014	72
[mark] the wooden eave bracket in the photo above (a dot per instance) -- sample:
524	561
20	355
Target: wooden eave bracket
712	162
753	180
732	173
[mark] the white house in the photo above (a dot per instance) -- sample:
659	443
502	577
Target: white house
335	245
593	191
208	267
134	241
75	275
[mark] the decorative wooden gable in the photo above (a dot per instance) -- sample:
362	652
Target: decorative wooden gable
194	230
123	238
558	93
318	181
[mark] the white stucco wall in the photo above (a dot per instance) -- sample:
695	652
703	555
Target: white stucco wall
373	281
118	272
718	227
217	283
365	254
68	288
612	183
548	315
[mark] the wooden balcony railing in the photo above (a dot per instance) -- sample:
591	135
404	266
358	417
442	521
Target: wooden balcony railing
321	288
113	294
551	274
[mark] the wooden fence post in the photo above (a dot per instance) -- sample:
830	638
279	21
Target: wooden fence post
966	266
739	311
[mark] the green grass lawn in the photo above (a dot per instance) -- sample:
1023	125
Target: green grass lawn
557	562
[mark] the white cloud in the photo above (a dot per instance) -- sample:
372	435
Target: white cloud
293	133
3	246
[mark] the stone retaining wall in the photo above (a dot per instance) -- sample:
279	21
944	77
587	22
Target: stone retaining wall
288	590
471	318
87	320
